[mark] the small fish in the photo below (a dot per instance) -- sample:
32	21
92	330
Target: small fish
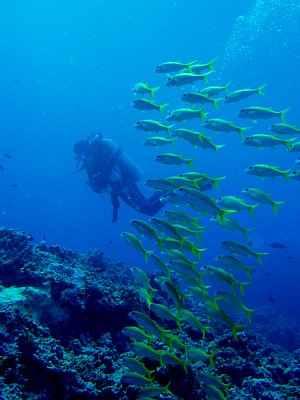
144	88
234	203
135	333
174	159
278	245
198	68
231	225
155	141
149	392
242	249
284	129
150	125
166	228
165	313
198	98
234	303
147	105
255	113
261	141
221	125
295	175
183	114
137	366
161	264
142	279
148	324
295	147
186	79
197	354
134	242
134	378
262	197
241	94
173	66
181	217
7	155
143	350
264	170
233	264
171	359
189	135
214	90
207	143
146	230
201	178
223	276
172	290
160	184
200	202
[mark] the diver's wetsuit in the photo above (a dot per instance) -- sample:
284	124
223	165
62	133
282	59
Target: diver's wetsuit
111	171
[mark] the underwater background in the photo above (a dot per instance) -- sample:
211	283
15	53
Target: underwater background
67	70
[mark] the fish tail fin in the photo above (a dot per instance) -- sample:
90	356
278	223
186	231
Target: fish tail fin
242	130
248	270
216	180
286	174
234	328
159	241
190	162
249	312
246	230
275	204
152	91
260	90
190	64
147	253
161	108
216	105
251	209
223	214
226	86
259	255
210	64
242	285
211	359
218	146
283	112
201	113
216	101
168	128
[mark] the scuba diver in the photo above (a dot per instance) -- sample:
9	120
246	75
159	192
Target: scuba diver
110	170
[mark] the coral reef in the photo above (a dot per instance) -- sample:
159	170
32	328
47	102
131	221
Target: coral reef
61	319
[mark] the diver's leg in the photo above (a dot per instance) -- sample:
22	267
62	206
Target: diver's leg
132	196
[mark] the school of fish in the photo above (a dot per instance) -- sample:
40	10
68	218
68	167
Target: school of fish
176	234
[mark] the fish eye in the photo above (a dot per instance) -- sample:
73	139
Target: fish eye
246	190
226	97
242	111
169	79
250	167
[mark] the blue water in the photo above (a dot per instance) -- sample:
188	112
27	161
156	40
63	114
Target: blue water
67	70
